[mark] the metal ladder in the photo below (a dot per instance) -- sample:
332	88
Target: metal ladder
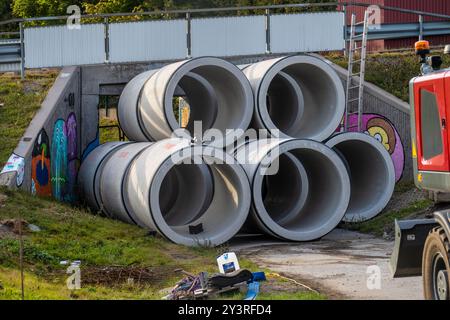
353	102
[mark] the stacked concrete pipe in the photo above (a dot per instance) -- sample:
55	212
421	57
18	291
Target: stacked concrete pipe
300	188
301	96
371	171
218	93
291	186
166	187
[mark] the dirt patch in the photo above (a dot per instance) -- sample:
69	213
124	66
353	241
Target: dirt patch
10	228
3	198
404	199
116	275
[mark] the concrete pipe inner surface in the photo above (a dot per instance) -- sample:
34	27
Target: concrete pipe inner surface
371	171
293	206
301	95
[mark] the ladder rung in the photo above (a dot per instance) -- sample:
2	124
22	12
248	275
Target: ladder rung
354	87
357	61
356	48
351	113
358	23
355	74
352	100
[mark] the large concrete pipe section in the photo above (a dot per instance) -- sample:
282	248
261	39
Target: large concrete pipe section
188	220
218	94
301	95
89	173
300	188
371	171
114	178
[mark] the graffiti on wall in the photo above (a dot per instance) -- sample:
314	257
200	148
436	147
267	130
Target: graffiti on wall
73	163
40	166
384	131
16	164
64	161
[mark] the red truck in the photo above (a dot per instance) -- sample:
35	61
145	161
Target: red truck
422	247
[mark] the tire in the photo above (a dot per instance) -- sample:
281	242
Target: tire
436	266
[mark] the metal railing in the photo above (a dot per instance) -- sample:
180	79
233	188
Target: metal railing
384	32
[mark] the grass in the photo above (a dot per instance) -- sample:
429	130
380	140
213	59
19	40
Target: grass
385	222
69	233
391	71
19	101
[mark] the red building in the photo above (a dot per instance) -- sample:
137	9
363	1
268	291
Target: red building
393	17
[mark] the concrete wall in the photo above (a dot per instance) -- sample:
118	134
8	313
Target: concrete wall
47	158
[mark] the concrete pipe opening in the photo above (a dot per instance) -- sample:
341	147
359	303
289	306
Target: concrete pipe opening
371	171
191	218
217	92
306	198
302	96
90	171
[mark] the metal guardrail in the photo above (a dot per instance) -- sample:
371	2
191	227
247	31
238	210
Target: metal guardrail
390	31
10	51
406	30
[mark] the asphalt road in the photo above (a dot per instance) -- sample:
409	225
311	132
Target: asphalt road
342	265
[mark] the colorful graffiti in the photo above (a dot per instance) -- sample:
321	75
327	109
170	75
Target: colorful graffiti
64	160
72	158
384	131
59	159
16	164
40	166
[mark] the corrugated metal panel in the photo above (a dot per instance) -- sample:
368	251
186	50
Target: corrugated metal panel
359	10
231	36
60	46
6	67
307	32
149	40
433	6
409	42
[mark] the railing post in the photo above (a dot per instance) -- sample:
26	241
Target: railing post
268	46
106	26
22	51
344	11
188	35
420	27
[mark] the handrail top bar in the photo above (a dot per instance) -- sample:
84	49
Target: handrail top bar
226	9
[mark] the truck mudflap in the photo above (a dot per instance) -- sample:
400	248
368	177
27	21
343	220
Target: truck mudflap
410	236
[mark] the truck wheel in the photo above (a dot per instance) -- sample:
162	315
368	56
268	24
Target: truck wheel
436	266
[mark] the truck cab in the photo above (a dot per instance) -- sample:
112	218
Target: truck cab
422	247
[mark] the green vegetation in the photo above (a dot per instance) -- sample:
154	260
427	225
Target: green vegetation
19	101
391	71
69	233
32	8
384	223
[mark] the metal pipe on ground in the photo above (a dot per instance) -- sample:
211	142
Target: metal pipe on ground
300	95
300	188
218	94
371	171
